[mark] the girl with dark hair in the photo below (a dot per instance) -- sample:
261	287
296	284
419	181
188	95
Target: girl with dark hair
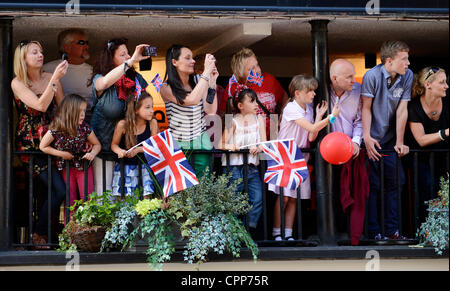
113	79
246	128
187	102
139	124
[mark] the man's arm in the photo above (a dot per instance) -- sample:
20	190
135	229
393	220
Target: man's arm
401	118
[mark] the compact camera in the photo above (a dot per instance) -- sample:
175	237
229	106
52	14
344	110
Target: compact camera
64	57
149	51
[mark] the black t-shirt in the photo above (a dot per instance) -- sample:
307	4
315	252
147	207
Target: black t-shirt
417	114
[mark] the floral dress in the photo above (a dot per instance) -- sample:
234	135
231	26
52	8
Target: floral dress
30	129
73	144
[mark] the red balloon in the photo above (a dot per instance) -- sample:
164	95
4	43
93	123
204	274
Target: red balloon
336	148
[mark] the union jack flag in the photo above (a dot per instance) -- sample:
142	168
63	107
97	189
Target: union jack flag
254	78
286	166
232	81
138	90
168	163
157	82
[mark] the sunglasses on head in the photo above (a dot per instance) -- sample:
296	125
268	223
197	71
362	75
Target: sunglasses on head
431	72
120	41
82	42
23	43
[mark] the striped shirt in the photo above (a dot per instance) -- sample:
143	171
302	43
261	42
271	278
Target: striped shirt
186	122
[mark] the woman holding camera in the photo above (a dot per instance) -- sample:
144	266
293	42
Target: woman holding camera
114	80
187	102
35	95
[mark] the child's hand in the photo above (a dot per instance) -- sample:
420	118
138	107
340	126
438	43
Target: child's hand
134	152
89	157
66	155
230	147
121	154
336	110
87	147
255	150
321	108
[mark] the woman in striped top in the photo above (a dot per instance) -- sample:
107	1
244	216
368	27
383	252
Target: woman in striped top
187	103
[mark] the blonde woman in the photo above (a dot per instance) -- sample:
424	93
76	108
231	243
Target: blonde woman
271	96
428	120
35	94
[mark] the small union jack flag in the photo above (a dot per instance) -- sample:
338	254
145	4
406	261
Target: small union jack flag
168	163
138	90
286	166
255	78
157	82
232	81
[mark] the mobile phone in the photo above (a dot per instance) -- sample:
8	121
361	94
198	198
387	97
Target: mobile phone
64	57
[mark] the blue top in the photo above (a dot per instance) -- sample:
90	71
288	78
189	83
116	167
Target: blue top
108	109
385	100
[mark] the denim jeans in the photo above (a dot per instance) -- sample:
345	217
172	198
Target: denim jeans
254	190
391	219
58	194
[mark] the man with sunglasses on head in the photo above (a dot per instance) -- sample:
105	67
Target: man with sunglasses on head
73	44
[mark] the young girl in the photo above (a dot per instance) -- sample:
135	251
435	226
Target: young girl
298	122
66	139
139	124
246	129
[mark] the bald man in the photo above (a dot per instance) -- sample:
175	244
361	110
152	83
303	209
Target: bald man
351	179
346	92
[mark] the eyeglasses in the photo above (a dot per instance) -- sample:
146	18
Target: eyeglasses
431	72
23	43
82	42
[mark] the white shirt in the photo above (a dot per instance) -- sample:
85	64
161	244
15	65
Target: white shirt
75	81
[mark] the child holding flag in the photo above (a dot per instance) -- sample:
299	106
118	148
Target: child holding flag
246	128
298	122
139	124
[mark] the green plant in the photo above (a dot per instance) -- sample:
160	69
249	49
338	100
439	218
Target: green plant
208	214
144	219
434	231
98	210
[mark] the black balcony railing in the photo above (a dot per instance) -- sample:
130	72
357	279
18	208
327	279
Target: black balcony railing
410	201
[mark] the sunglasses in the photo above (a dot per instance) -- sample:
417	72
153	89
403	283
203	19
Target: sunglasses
23	43
116	42
82	42
431	72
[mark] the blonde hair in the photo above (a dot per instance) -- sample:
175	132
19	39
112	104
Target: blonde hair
237	61
427	74
67	36
20	66
301	82
390	48
67	115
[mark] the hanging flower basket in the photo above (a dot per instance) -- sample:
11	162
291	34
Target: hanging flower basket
89	239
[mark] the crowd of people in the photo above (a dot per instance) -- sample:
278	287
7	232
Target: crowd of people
75	111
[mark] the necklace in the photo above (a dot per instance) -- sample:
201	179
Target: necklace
434	112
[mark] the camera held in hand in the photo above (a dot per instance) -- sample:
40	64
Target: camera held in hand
146	65
149	51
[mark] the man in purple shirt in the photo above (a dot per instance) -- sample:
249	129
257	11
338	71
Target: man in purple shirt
347	94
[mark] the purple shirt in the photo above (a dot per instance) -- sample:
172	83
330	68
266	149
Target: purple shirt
349	120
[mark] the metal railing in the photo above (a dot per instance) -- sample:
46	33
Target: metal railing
409	198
